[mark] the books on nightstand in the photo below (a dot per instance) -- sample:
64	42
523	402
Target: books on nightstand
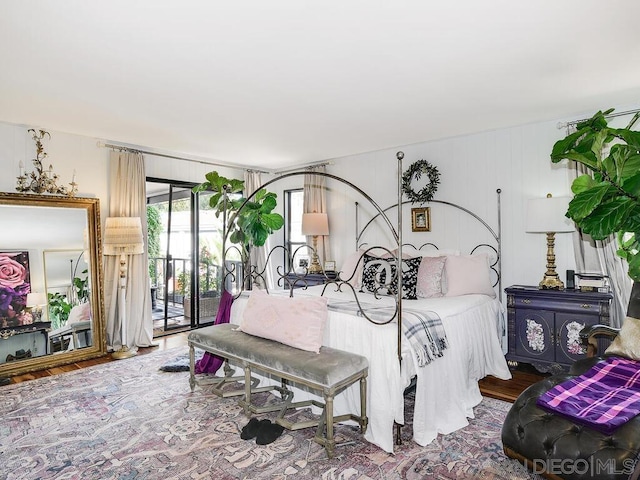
592	282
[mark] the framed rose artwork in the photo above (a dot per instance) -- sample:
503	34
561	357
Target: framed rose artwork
15	284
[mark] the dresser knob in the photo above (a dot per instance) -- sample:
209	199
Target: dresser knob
526	300
586	305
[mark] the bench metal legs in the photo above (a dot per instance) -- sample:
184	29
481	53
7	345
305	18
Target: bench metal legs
324	431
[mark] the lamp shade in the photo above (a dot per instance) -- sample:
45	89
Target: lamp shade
123	235
547	215
315	224
36	299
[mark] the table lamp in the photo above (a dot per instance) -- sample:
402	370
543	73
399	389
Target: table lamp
315	224
35	302
547	215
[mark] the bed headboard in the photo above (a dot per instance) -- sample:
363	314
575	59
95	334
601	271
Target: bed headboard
483	239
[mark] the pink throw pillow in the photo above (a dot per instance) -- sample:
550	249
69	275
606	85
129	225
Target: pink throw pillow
351	269
430	277
297	322
80	313
468	274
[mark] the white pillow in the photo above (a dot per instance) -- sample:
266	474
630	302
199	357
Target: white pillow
468	274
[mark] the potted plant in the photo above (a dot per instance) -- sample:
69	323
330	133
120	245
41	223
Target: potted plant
249	222
608	201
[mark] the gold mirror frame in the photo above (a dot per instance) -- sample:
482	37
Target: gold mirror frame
94	246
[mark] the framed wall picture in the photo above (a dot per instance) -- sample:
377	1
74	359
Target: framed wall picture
421	219
329	266
15	284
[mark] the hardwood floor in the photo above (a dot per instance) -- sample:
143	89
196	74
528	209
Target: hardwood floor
163	343
507	390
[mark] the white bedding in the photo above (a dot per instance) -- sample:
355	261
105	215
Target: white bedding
447	389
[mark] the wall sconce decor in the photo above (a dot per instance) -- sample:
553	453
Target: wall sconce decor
41	180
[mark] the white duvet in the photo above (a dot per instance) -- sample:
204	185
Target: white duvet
447	389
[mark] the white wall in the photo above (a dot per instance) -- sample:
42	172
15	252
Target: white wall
472	167
516	160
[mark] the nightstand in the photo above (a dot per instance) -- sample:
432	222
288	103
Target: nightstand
309	280
544	325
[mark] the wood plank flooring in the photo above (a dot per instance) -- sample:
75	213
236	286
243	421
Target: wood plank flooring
163	343
507	390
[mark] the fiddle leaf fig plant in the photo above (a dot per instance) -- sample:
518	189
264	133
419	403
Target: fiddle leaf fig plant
249	225
608	201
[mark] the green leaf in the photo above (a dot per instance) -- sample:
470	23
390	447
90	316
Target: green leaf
259	235
273	220
268	204
634	267
582	183
260	195
598	143
562	147
607	218
631	137
631	165
631	222
586	201
632	185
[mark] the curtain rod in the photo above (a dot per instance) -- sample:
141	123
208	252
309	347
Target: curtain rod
303	167
214	164
611	115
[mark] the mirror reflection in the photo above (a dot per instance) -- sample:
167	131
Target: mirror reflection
68	307
50	299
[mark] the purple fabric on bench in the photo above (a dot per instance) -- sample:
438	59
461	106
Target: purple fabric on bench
210	363
603	398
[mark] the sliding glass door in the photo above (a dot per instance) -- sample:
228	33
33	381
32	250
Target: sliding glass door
184	256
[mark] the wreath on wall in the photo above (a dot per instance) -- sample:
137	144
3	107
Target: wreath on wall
415	172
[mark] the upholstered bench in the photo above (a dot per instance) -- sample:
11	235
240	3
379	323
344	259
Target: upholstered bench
329	371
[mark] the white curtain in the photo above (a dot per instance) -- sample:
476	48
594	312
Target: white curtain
258	255
315	200
128	199
600	256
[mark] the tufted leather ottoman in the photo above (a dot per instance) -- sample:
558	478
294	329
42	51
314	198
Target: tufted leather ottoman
555	447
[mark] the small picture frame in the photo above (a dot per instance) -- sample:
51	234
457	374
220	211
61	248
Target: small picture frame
330	266
421	219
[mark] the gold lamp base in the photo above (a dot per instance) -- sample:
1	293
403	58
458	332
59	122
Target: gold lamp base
315	266
123	353
551	281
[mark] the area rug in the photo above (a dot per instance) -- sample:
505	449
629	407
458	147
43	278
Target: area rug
128	420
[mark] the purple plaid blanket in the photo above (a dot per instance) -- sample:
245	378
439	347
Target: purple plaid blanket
603	398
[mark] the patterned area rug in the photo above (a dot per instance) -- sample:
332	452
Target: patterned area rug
128	420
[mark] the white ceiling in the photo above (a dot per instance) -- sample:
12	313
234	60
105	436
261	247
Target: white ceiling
273	83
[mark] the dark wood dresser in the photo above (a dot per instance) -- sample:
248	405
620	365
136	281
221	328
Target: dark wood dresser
544	325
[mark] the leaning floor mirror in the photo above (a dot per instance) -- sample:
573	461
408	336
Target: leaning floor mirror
51	304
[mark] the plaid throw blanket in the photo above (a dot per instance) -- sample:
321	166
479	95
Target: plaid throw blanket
603	398
423	328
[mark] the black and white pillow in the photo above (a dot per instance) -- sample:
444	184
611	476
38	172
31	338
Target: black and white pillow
377	272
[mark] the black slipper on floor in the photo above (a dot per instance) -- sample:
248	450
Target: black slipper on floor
268	432
250	430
